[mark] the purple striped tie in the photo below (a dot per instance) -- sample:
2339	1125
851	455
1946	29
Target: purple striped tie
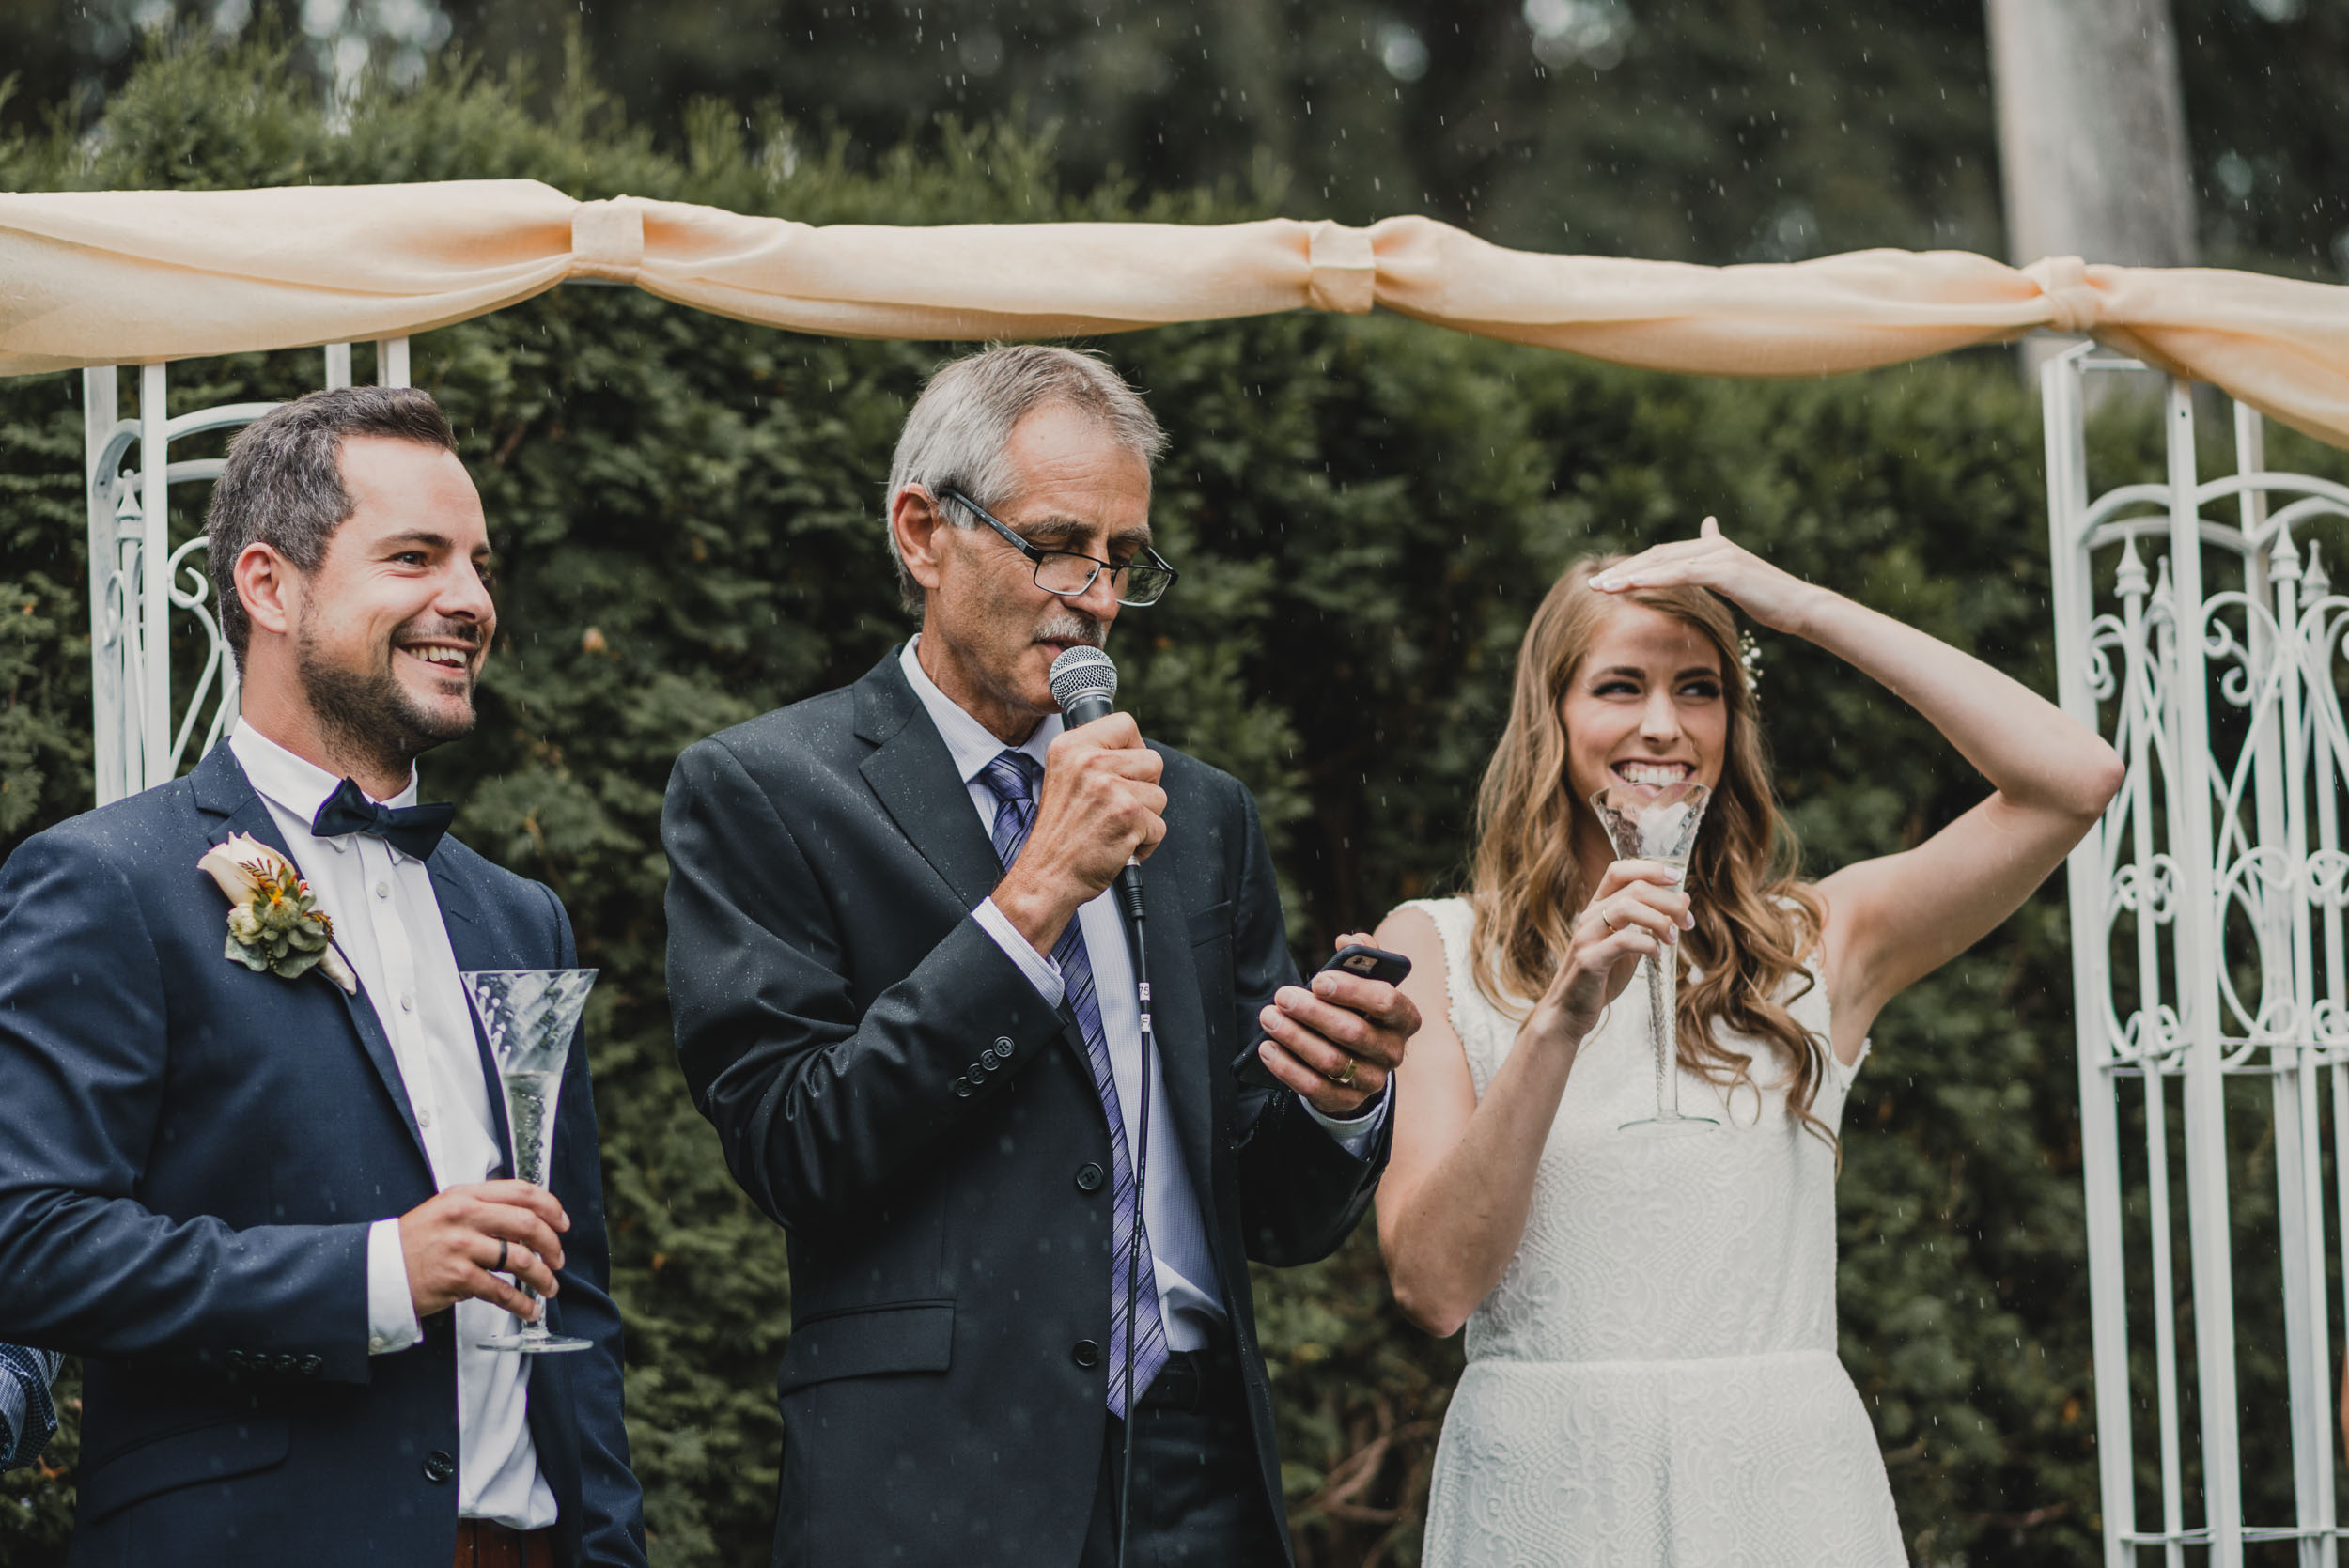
1013	777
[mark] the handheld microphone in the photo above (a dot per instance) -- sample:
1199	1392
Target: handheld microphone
1083	680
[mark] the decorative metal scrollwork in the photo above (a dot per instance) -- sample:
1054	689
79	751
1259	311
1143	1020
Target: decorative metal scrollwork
2197	626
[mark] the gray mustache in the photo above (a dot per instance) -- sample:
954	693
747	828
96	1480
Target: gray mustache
1071	626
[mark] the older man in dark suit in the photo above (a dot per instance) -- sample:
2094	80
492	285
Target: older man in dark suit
904	998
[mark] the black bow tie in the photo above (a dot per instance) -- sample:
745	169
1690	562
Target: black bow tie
413	831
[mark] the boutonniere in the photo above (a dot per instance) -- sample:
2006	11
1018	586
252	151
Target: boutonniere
274	922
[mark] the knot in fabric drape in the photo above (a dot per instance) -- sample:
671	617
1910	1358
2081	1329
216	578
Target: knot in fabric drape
608	240
2073	301
1345	269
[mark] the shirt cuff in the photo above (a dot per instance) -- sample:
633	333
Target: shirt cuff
1355	1133
391	1311
1041	971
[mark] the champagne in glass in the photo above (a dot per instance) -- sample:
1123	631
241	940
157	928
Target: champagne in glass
1659	822
530	1016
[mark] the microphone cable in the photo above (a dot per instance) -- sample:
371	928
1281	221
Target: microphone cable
1129	887
1083	682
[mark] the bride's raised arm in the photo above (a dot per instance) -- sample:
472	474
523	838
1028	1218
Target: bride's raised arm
1892	921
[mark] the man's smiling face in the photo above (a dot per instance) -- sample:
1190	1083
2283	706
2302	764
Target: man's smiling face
393	629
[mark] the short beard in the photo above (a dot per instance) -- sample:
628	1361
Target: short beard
366	715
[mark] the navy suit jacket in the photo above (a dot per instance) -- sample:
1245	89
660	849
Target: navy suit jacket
190	1154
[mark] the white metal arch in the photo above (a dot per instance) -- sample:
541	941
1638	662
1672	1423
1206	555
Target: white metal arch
2209	946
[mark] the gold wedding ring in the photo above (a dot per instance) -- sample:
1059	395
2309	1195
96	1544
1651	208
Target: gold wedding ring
1606	922
1346	1078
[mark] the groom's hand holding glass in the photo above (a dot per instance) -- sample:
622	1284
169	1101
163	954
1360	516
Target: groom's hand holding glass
457	1244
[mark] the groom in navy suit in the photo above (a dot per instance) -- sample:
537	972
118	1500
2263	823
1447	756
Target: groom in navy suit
253	1167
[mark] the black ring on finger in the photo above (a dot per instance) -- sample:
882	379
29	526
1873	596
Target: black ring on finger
499	1267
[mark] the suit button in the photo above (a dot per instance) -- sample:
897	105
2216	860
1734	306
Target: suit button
1003	1045
991	1062
235	1359
313	1365
962	1088
284	1361
1085	1354
437	1467
1088	1177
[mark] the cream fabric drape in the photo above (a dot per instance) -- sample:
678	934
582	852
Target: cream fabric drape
138	276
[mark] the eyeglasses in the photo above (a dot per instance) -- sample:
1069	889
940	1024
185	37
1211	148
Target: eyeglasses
1071	575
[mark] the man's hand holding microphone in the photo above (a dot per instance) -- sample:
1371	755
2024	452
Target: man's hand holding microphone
1334	1043
1100	806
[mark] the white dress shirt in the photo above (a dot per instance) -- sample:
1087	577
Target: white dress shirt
1190	1295
388	925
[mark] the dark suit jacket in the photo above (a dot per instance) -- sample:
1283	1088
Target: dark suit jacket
190	1156
890	1087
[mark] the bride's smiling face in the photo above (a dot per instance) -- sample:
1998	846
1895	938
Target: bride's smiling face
1646	706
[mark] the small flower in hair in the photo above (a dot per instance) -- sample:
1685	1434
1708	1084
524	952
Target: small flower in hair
1750	660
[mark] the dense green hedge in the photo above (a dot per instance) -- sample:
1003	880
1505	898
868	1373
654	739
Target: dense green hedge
1365	511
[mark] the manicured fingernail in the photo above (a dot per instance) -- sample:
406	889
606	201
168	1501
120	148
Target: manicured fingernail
1603	581
1688	923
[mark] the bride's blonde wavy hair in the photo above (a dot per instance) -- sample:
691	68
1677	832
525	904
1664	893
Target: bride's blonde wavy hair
1754	921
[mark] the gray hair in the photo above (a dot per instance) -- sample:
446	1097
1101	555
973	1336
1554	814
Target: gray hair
959	428
283	483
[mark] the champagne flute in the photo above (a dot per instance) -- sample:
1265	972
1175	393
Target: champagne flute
530	1016
1651	822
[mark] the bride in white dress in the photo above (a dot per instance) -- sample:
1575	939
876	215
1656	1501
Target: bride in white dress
1652	1375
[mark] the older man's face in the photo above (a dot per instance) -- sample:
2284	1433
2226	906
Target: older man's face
1077	489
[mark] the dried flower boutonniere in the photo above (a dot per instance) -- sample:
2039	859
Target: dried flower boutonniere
274	923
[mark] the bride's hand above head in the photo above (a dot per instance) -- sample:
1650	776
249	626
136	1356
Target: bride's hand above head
1776	599
1638	910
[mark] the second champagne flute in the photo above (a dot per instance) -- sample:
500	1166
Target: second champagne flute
1648	822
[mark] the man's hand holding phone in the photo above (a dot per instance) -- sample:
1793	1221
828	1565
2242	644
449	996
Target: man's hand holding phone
1336	1040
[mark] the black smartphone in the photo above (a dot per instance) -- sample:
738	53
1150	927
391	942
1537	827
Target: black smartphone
1371	963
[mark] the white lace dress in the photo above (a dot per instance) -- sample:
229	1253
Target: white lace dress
1654	1382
